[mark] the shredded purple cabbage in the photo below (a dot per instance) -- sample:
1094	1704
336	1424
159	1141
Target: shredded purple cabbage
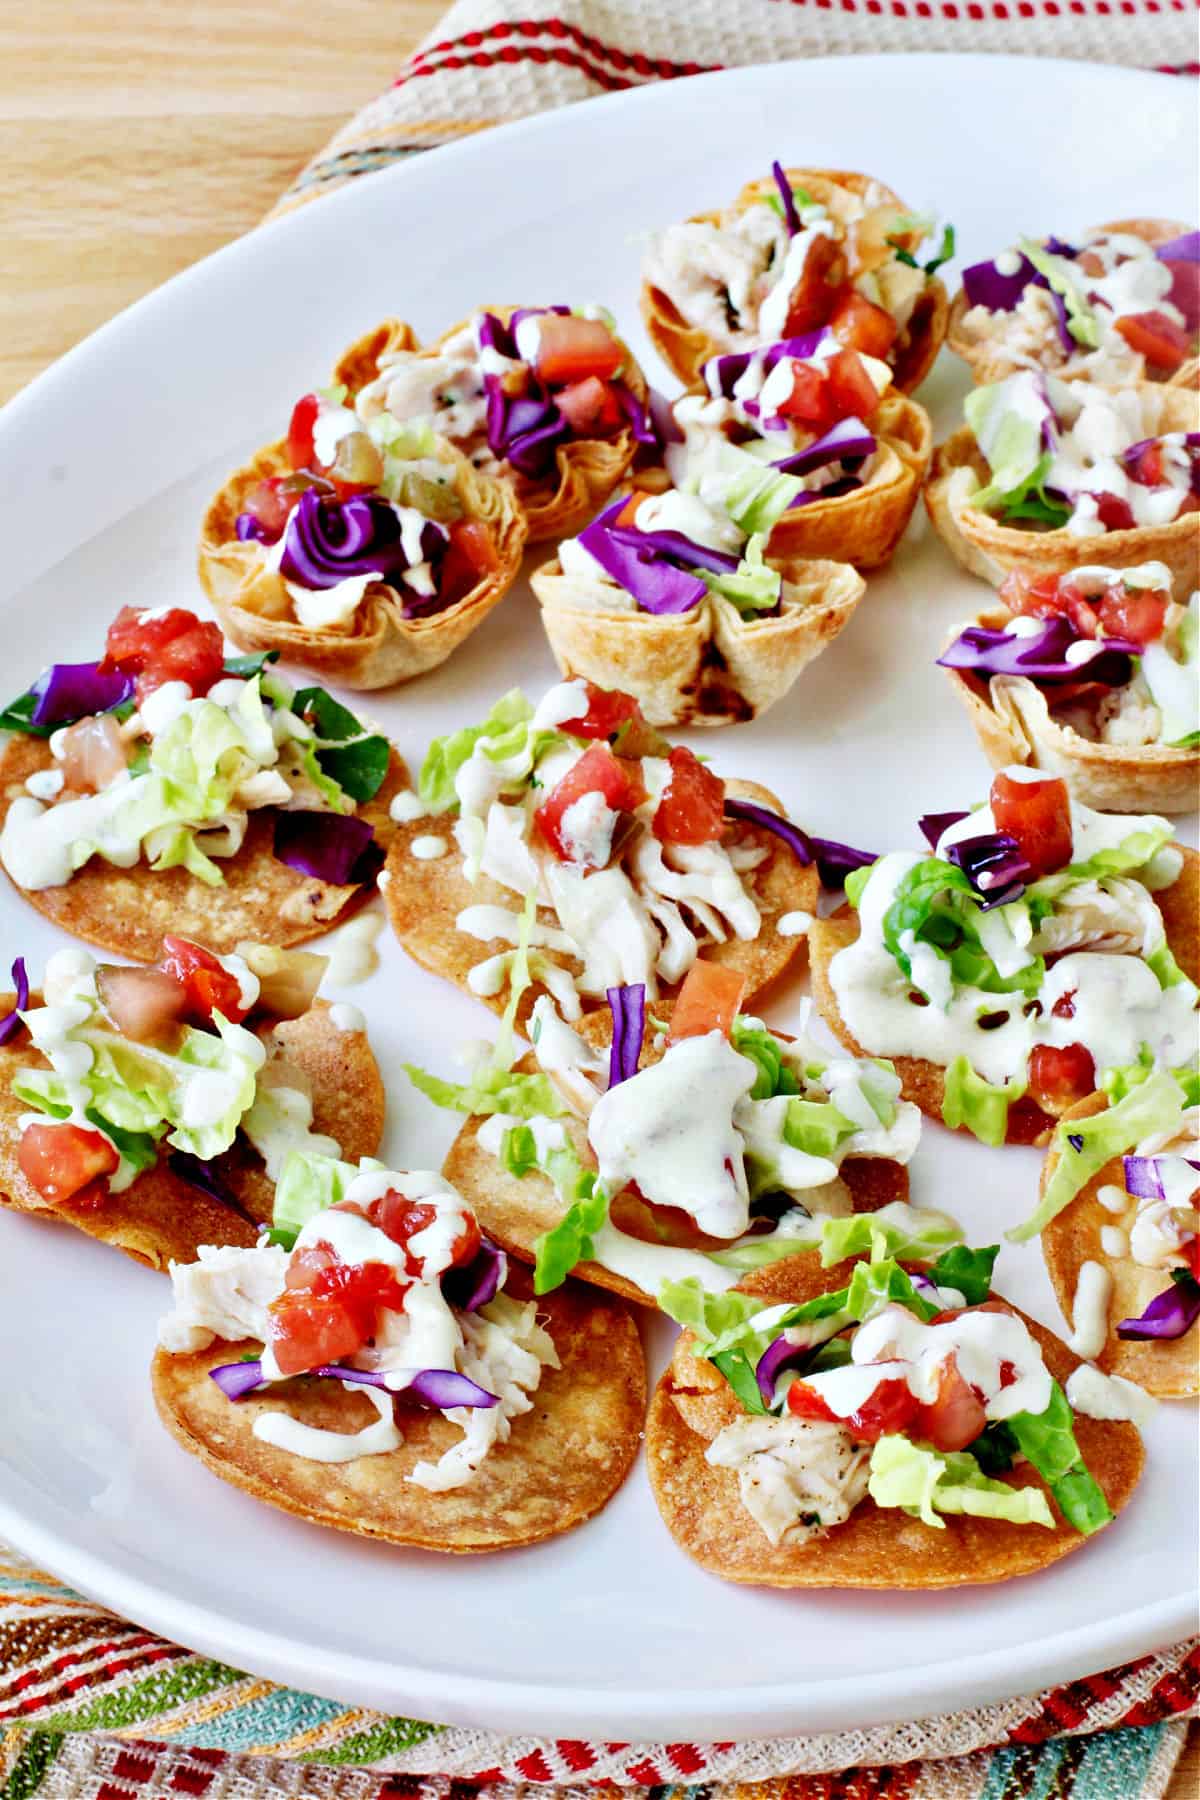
1075	1141
640	414
848	440
629	556
994	866
68	691
628	1007
676	548
437	1388
10	1024
526	430
796	839
984	285
332	847
200	1175
934	825
833	490
470	1288
778	1356
1170	1314
667	429
1142	1178
1180	249
722	373
980	650
327	540
835	861
791	217
248	528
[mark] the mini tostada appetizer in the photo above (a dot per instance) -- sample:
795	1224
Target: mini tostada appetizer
169	788
629	856
880	1426
154	1107
377	1333
798	248
1036	951
547	397
1048	476
364	549
670	597
1120	1230
682	1140
1121	305
1093	676
826	417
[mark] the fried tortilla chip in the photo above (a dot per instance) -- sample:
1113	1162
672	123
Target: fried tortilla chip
987	548
686	348
865	526
127	911
424	899
379	645
711	665
877	1547
564	1460
586	470
162	1218
1014	724
515	1210
983	345
924	1082
1166	1367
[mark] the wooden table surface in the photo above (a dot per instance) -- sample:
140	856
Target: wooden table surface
138	135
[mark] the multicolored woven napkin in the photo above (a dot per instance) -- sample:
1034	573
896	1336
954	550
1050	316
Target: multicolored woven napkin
94	1708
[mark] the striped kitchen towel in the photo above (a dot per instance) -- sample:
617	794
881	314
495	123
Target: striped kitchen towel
489	61
94	1708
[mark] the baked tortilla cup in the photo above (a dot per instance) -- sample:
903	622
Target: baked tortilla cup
586	470
565	1459
424	899
127	911
1014	724
1166	1367
160	1218
514	1210
876	1547
707	666
989	549
377	647
990	360
924	1082
685	348
865	526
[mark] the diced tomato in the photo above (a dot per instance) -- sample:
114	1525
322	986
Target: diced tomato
306	1263
571	349
709	1000
300	450
209	986
176	646
1038	595
470	555
1147	471
1114	513
364	1289
1137	613
1165	345
1038	815
608	709
590	407
1059	1078
1079	608
806	1403
810	399
815	294
955	1416
853	393
691	809
309	1329
598	771
1185	292
62	1161
1191	1254
861	325
402	1219
143	1004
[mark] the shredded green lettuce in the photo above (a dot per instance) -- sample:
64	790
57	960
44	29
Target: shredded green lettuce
506	736
308	1184
1063	277
925	1483
753	587
570	1241
967	1099
936	902
754	495
1047	1440
899	1231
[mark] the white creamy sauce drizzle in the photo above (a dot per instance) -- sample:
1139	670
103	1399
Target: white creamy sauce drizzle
407	807
315	1444
352	952
1099	1396
429	848
1089	1310
793	924
345	1017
